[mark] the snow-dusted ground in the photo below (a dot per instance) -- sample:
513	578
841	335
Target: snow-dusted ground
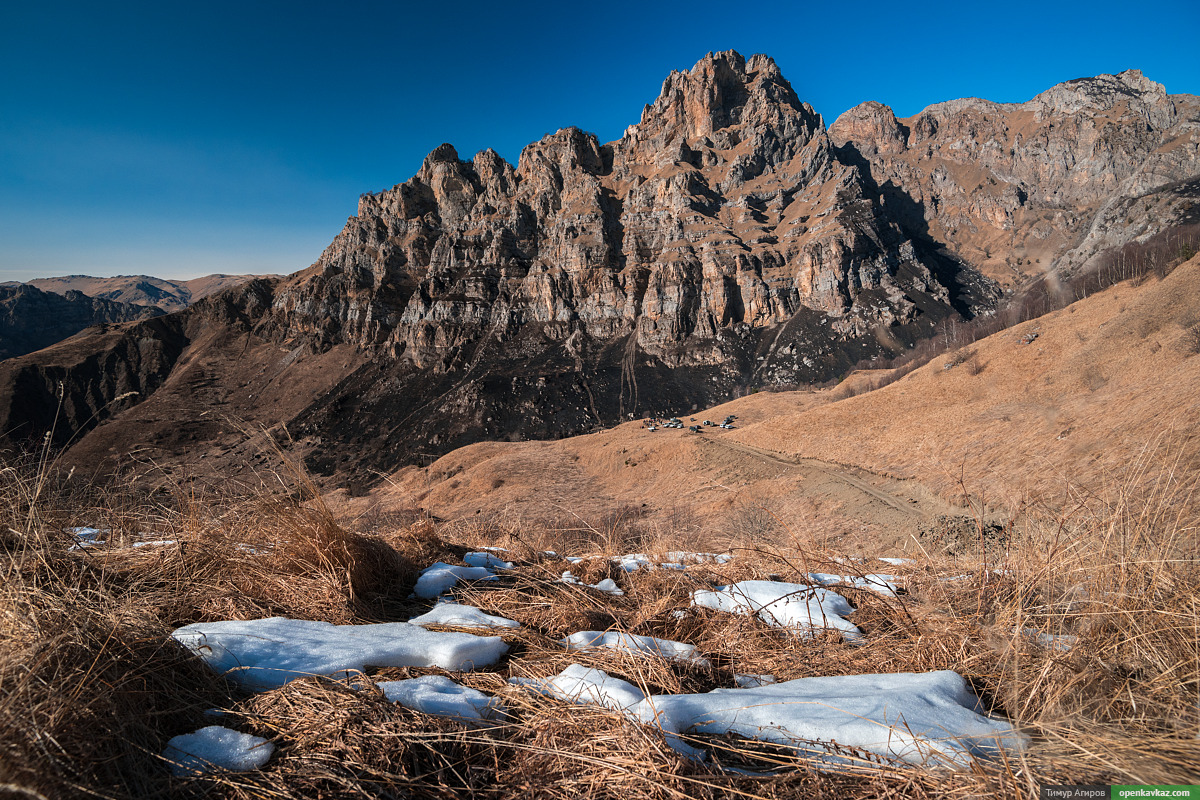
919	718
630	643
930	717
267	653
442	697
216	748
803	610
460	616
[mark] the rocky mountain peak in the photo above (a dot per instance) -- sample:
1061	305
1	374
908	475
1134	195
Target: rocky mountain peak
872	124
1101	92
726	240
722	109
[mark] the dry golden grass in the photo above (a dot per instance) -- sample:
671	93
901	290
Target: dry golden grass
1105	377
93	686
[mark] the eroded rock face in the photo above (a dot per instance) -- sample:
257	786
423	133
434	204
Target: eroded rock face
726	240
1018	189
725	206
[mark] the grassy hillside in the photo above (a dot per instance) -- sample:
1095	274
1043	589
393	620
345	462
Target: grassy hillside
1044	494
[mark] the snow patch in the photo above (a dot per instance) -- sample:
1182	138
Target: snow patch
608	585
461	616
214	749
929	717
585	686
631	643
441	577
882	584
486	560
441	697
267	653
87	537
802	610
919	718
676	559
1061	642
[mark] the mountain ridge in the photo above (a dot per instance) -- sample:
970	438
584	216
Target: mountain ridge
726	240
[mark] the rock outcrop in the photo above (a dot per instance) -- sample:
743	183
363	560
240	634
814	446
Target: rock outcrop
1018	189
726	240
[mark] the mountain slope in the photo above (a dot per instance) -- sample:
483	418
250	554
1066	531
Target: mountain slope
31	319
1102	398
1018	189
169	295
726	240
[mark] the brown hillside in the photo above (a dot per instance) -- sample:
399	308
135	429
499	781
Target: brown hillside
1106	380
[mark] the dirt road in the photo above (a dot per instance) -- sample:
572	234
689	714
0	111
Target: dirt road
866	496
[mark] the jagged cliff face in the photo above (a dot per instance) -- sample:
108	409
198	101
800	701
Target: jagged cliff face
1021	188
726	207
726	240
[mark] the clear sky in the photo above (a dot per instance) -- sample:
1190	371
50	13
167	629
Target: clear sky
179	139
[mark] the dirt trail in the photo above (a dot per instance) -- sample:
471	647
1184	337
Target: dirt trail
867	496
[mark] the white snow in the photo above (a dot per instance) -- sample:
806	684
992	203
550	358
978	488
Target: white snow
897	562
676	559
752	681
1062	642
440	578
441	697
631	643
86	537
607	585
585	686
683	557
267	653
802	610
461	616
216	748
634	561
931	716
486	560
883	584
155	543
912	717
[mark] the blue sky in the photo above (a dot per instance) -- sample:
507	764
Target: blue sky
181	139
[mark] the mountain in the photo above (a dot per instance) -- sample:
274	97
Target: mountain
31	319
144	290
1084	401
1018	189
727	240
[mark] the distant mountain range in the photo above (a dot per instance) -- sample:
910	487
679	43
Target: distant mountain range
142	290
38	313
728	240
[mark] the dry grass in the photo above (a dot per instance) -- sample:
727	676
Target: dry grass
91	685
